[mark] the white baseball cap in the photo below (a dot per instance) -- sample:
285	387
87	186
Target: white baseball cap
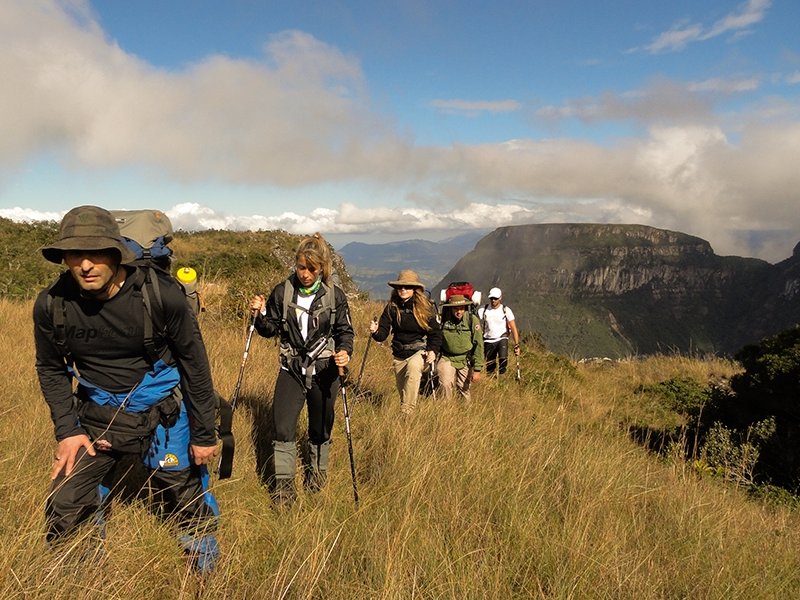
495	292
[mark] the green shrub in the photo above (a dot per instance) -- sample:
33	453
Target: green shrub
682	395
24	271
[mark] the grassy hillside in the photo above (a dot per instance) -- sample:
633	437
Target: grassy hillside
235	264
534	490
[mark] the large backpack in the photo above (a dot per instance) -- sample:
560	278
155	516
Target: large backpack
155	345
147	233
461	288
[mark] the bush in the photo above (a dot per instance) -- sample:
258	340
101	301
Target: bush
25	271
679	394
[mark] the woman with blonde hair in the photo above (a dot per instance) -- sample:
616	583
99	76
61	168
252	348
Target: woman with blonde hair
312	318
411	318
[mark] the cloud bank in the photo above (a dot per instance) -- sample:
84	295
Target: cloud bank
301	116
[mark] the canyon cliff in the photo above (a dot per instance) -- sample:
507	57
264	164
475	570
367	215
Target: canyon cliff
619	290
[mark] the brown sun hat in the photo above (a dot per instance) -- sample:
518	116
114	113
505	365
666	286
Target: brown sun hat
88	228
407	278
458	300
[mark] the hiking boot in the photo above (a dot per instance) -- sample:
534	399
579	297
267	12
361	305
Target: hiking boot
284	494
202	552
317	472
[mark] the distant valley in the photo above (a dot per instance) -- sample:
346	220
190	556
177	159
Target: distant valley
372	265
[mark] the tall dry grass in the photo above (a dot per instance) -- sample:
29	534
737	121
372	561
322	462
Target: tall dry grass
531	491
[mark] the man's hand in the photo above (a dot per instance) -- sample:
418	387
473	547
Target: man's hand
516	348
203	454
67	452
430	356
476	376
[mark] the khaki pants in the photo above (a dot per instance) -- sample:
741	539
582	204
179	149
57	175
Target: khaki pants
408	374
451	379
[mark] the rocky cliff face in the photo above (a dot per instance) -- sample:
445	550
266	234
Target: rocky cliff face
615	290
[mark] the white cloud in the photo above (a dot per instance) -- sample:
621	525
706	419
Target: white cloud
475	107
749	13
737	23
299	115
661	101
349	218
724	86
27	215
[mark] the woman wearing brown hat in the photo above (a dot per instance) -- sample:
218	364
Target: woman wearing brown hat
411	318
461	362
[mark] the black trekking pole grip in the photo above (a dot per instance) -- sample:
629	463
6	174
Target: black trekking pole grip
342	376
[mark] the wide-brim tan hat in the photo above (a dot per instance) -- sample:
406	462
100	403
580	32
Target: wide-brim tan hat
458	300
407	278
88	228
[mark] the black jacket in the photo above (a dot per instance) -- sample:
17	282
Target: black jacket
407	332
106	341
272	323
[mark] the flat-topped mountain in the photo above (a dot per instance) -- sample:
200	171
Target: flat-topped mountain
616	290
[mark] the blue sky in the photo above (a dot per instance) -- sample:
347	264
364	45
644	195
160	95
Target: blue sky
373	122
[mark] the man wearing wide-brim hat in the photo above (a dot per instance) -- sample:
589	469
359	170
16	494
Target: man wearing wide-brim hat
128	337
461	360
411	318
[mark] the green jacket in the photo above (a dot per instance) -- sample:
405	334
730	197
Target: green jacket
462	341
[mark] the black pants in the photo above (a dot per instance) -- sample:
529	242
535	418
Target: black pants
179	494
291	395
496	356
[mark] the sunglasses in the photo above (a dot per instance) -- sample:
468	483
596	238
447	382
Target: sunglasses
404	287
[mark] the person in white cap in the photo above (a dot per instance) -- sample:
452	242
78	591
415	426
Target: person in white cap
497	321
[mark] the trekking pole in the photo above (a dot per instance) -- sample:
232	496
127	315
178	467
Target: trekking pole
343	378
364	360
431	382
225	429
519	374
238	387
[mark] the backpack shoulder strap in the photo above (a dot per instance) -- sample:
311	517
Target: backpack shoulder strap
57	311
505	316
154	326
483	316
328	301
288	302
